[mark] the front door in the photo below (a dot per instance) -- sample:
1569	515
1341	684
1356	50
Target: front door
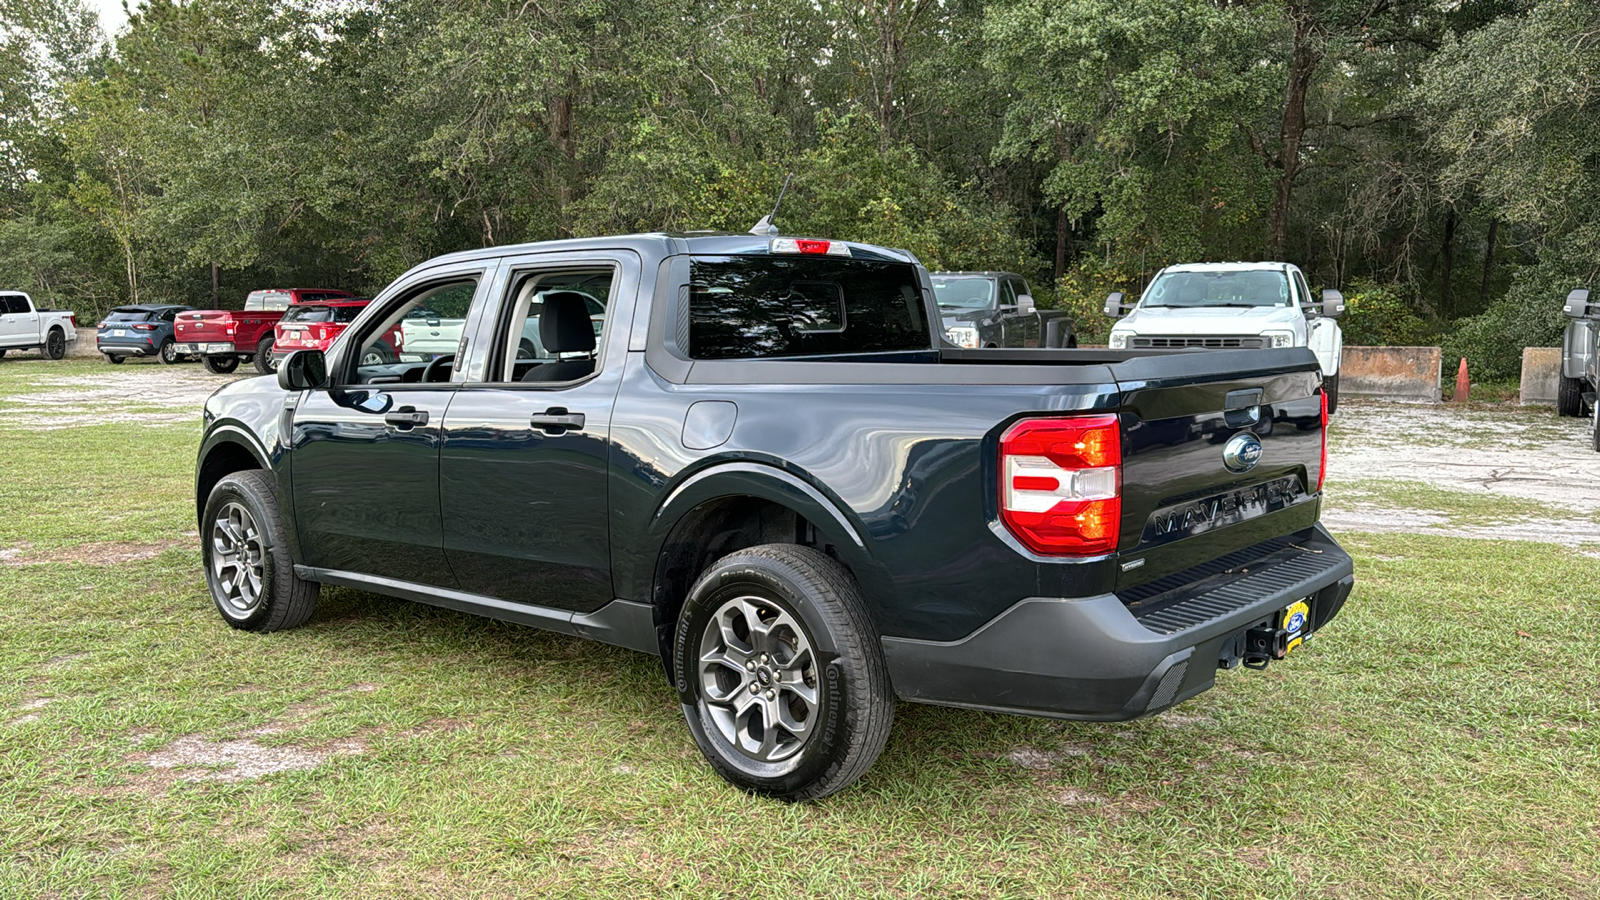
523	473
16	325
364	462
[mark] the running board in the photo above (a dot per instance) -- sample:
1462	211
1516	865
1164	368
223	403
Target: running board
624	623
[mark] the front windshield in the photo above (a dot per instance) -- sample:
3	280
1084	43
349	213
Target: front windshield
963	293
1242	289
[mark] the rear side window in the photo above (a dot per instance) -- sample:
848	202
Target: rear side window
266	300
13	304
761	307
127	315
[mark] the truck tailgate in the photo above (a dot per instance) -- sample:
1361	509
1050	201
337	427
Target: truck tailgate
1222	451
205	326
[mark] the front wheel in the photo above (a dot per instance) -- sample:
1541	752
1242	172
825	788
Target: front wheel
264	356
248	567
221	365
55	345
1569	397
780	672
1330	386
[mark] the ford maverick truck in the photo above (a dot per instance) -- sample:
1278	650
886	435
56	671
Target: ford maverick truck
760	463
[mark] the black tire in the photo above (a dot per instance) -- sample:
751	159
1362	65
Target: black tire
114	359
1330	386
1569	397
220	365
3	352
55	345
378	355
854	701
1594	426
283	600
166	355
264	356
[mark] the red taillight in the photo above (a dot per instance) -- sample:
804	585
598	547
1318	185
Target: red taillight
143	327
1322	470
322	332
73	319
1061	484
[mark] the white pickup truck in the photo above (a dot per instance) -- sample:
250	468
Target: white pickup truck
1233	306
24	326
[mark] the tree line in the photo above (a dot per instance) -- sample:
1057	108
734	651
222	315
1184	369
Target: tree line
1436	159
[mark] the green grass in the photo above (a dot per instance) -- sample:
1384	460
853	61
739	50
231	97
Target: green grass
1441	738
1457	507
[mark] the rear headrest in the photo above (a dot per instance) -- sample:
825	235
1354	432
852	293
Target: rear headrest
564	325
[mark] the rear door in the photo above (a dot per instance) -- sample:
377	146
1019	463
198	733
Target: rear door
1215	462
523	473
365	451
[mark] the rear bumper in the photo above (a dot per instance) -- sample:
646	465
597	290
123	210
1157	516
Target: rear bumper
125	347
1096	658
210	348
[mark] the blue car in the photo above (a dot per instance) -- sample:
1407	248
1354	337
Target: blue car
143	330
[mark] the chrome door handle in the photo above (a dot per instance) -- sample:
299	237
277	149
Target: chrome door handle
556	420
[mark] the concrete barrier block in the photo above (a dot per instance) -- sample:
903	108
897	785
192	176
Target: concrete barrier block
1391	373
1541	374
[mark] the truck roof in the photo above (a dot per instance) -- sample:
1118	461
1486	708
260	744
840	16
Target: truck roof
670	243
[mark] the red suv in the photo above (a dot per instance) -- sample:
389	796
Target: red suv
313	326
223	337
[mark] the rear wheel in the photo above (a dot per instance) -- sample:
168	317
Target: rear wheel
1330	386
168	354
55	345
2	352
1569	397
248	567
221	365
783	680
1594	425
114	359
264	356
378	355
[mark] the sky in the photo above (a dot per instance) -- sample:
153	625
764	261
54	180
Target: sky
112	17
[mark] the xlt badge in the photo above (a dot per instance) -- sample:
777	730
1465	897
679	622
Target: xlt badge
1242	452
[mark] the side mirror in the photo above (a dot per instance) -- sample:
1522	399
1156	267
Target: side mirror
303	370
1332	303
1114	305
1025	305
1577	304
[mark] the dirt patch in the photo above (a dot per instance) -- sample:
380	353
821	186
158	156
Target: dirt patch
152	396
194	758
93	554
1513	452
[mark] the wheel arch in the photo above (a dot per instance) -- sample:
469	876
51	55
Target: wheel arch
731	507
226	450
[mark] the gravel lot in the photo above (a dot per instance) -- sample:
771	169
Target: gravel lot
147	393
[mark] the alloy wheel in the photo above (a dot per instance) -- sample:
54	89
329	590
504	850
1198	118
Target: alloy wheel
758	678
238	560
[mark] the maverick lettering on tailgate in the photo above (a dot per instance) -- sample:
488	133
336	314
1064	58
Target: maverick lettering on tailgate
1182	520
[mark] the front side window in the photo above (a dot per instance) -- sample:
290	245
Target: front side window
419	338
761	307
1008	295
13	303
1218	289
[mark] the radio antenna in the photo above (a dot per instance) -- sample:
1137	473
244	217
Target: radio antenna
765	228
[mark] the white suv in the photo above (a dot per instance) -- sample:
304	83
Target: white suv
1233	306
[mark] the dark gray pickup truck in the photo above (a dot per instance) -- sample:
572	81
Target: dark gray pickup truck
762	465
995	309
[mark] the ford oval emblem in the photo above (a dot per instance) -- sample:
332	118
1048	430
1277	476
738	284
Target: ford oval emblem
1242	452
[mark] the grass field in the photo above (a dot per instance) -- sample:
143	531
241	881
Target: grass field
1441	738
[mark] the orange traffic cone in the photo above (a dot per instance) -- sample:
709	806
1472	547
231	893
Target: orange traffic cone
1463	386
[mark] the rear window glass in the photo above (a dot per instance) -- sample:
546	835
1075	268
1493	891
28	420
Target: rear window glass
344	315
266	300
127	315
762	307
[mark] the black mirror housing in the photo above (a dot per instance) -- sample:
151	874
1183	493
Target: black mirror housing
303	370
1577	306
1114	304
1332	303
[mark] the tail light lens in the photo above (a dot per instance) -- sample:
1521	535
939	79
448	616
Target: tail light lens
1061	484
73	319
1322	469
144	327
